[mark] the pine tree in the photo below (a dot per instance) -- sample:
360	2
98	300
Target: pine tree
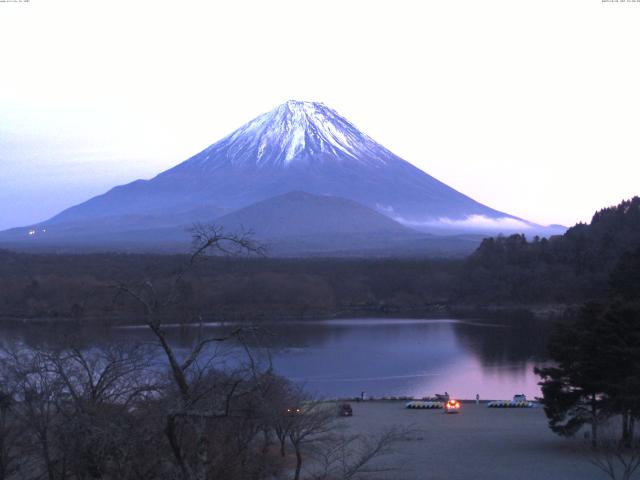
573	390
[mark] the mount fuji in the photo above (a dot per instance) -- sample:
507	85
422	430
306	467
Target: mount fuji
301	147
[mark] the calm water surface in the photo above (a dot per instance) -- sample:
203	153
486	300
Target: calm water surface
382	356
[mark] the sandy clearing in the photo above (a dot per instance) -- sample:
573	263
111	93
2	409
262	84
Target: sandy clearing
478	443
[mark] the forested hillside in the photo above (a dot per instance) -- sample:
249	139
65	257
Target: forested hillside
568	268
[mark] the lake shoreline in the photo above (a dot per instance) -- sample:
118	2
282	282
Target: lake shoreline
341	358
550	312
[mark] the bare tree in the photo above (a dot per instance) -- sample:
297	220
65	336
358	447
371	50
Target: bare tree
37	392
10	434
310	424
618	459
193	408
114	374
615	460
100	389
346	457
74	408
279	400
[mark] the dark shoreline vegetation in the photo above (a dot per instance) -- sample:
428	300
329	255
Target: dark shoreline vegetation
549	277
80	289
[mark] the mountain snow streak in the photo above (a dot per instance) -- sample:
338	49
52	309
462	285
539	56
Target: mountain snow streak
294	131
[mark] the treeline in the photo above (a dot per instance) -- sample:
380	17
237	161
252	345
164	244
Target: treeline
570	268
512	271
85	286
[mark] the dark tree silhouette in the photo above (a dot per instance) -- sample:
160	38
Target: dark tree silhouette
597	372
573	389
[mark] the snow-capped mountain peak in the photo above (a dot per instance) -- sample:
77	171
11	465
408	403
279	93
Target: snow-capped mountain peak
294	132
296	147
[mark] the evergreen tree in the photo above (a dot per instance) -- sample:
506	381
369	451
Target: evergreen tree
597	372
625	278
573	390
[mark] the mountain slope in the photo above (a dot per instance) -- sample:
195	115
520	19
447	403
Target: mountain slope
300	214
293	224
298	146
299	223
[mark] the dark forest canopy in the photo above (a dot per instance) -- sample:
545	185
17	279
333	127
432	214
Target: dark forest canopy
566	268
586	247
511	271
81	286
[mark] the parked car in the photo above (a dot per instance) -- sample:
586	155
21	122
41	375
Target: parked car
452	406
293	411
521	397
345	410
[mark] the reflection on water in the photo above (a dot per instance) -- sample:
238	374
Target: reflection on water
379	357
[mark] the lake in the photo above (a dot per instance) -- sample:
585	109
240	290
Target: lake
381	357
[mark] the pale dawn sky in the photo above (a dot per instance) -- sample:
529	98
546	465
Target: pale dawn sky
530	107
